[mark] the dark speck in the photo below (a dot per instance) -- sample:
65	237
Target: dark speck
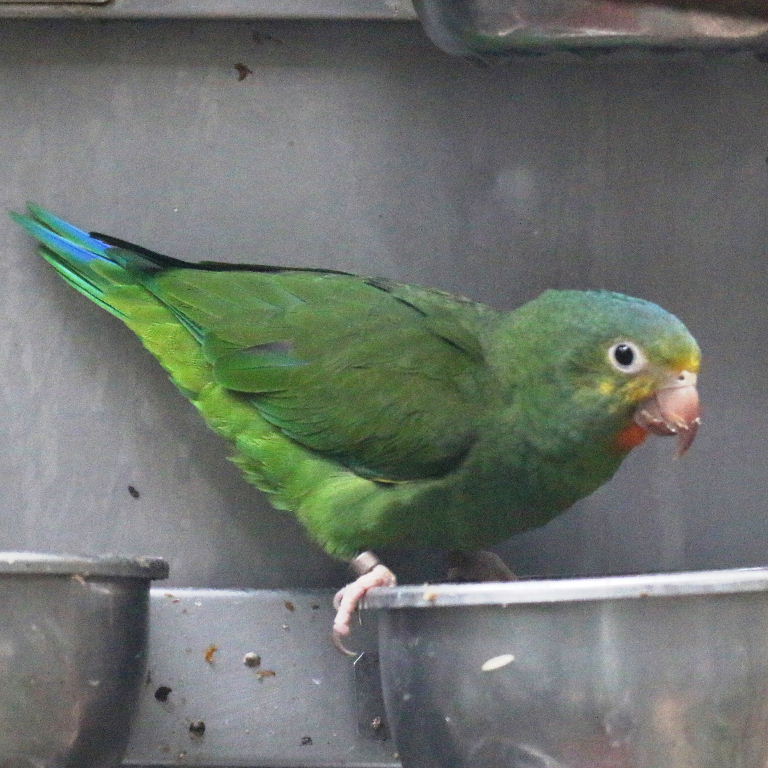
265	37
306	741
242	71
162	693
289	606
132	490
197	728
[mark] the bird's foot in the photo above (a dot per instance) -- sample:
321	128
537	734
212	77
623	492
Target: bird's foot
371	573
480	565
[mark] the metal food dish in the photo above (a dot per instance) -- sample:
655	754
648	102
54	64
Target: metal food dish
498	27
73	634
662	671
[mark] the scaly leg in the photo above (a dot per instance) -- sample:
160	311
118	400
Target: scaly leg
371	573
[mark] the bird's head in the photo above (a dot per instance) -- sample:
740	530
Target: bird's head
628	363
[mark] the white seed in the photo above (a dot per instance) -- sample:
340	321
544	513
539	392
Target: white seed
497	662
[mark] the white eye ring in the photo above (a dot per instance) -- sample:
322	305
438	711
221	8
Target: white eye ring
627	357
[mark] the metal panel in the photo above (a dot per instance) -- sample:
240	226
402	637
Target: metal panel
361	147
293	704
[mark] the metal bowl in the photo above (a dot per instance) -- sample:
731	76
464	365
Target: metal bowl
497	28
661	671
73	634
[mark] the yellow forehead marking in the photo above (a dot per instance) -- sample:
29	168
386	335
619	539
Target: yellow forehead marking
692	364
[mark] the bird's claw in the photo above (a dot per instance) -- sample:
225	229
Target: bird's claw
348	598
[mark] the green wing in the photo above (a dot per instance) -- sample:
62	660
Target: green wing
386	379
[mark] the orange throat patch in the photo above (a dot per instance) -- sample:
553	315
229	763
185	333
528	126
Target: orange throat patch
630	437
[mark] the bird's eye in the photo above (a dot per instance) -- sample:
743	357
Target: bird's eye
626	357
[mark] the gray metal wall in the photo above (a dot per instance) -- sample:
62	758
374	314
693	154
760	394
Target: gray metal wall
360	147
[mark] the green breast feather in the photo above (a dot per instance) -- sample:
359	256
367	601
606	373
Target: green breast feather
380	413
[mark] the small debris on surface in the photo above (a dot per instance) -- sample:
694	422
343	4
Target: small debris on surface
78	578
163	692
306	741
242	71
377	723
262	673
289	606
132	490
430	595
210	652
497	662
252	659
197	728
265	37
315	607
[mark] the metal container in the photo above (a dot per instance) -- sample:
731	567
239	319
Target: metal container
499	27
73	634
661	671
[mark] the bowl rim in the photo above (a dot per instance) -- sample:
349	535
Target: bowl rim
50	564
545	591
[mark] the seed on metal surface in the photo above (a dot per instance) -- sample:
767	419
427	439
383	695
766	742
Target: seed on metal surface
497	662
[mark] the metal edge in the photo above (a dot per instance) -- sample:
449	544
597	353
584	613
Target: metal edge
204	9
688	583
49	564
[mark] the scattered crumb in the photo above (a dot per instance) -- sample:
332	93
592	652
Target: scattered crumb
430	595
262	673
289	606
210	652
285	627
265	37
315	607
78	578
162	693
252	659
497	662
306	741
132	490
377	723
242	71
197	728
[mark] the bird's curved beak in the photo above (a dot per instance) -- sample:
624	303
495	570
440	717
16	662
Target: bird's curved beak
673	409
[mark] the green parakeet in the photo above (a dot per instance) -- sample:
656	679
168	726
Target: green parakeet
385	414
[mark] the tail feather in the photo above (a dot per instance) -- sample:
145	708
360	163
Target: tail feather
74	254
118	277
65	229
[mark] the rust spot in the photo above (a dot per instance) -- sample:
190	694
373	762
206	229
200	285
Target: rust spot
210	652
